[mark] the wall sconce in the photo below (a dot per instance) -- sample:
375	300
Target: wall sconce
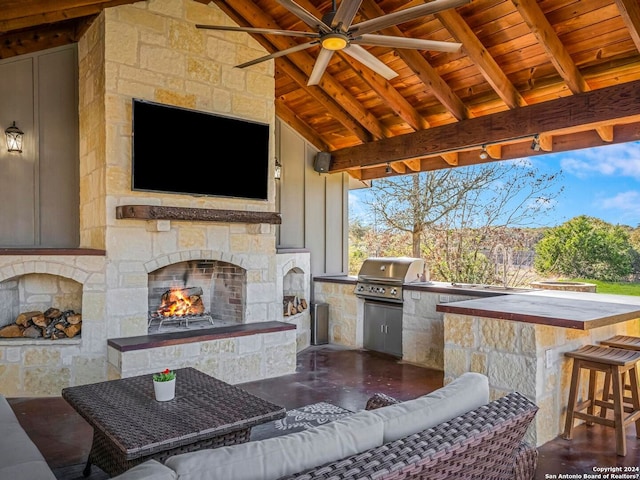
483	153
14	138
277	170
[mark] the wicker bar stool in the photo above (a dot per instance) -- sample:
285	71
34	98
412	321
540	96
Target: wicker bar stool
613	362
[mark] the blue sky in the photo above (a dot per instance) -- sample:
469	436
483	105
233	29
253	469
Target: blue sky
601	182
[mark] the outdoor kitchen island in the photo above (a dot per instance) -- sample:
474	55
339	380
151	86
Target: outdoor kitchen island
517	337
519	341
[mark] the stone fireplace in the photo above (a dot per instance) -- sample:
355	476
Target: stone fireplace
151	50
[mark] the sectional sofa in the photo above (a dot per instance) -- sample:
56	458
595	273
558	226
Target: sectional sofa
453	433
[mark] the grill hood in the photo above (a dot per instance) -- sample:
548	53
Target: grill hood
391	270
382	278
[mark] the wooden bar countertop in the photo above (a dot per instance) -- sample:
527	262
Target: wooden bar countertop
579	310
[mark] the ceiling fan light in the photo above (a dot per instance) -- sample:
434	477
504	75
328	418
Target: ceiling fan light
334	41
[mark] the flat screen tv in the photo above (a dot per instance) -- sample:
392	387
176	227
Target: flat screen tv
177	150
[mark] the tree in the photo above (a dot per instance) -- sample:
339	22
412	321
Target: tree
456	217
585	247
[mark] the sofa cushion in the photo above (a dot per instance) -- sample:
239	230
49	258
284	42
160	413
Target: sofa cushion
273	458
149	470
467	392
6	413
20	459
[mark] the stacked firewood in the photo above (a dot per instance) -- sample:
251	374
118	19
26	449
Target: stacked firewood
52	323
293	305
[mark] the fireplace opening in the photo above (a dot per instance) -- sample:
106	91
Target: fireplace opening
293	293
40	306
196	294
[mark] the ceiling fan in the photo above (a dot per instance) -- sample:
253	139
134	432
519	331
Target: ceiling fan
335	32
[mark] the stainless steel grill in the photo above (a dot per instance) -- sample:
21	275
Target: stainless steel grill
382	277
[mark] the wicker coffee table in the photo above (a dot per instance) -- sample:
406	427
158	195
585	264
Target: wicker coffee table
130	426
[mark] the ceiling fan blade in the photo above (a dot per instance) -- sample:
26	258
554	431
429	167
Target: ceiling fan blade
364	57
405	42
405	15
281	53
263	31
321	64
307	17
345	14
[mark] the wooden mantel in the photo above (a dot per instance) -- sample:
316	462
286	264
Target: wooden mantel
156	212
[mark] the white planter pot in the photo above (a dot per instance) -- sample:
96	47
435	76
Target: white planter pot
165	390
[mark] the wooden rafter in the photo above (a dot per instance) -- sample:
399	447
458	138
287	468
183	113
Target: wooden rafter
482	58
558	54
422	68
630	12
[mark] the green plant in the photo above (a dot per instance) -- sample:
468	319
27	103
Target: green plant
164	376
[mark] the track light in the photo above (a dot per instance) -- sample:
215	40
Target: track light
483	153
535	144
388	169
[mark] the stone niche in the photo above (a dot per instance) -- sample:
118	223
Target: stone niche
38	292
294	281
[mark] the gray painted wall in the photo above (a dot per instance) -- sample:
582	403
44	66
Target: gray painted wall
39	92
314	206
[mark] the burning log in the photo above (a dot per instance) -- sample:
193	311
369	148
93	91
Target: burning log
181	302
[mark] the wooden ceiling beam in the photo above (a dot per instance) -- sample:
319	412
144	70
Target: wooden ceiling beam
416	62
562	143
451	158
392	98
31	40
413	165
398	167
494	151
535	18
546	142
290	118
20	14
598	107
482	59
332	108
630	12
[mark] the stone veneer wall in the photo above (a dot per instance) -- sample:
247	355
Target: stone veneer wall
345	312
423	327
512	355
233	360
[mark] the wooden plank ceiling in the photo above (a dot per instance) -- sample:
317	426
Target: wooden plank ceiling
558	74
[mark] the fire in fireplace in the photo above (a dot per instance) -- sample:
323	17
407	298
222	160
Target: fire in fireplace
180	305
211	291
